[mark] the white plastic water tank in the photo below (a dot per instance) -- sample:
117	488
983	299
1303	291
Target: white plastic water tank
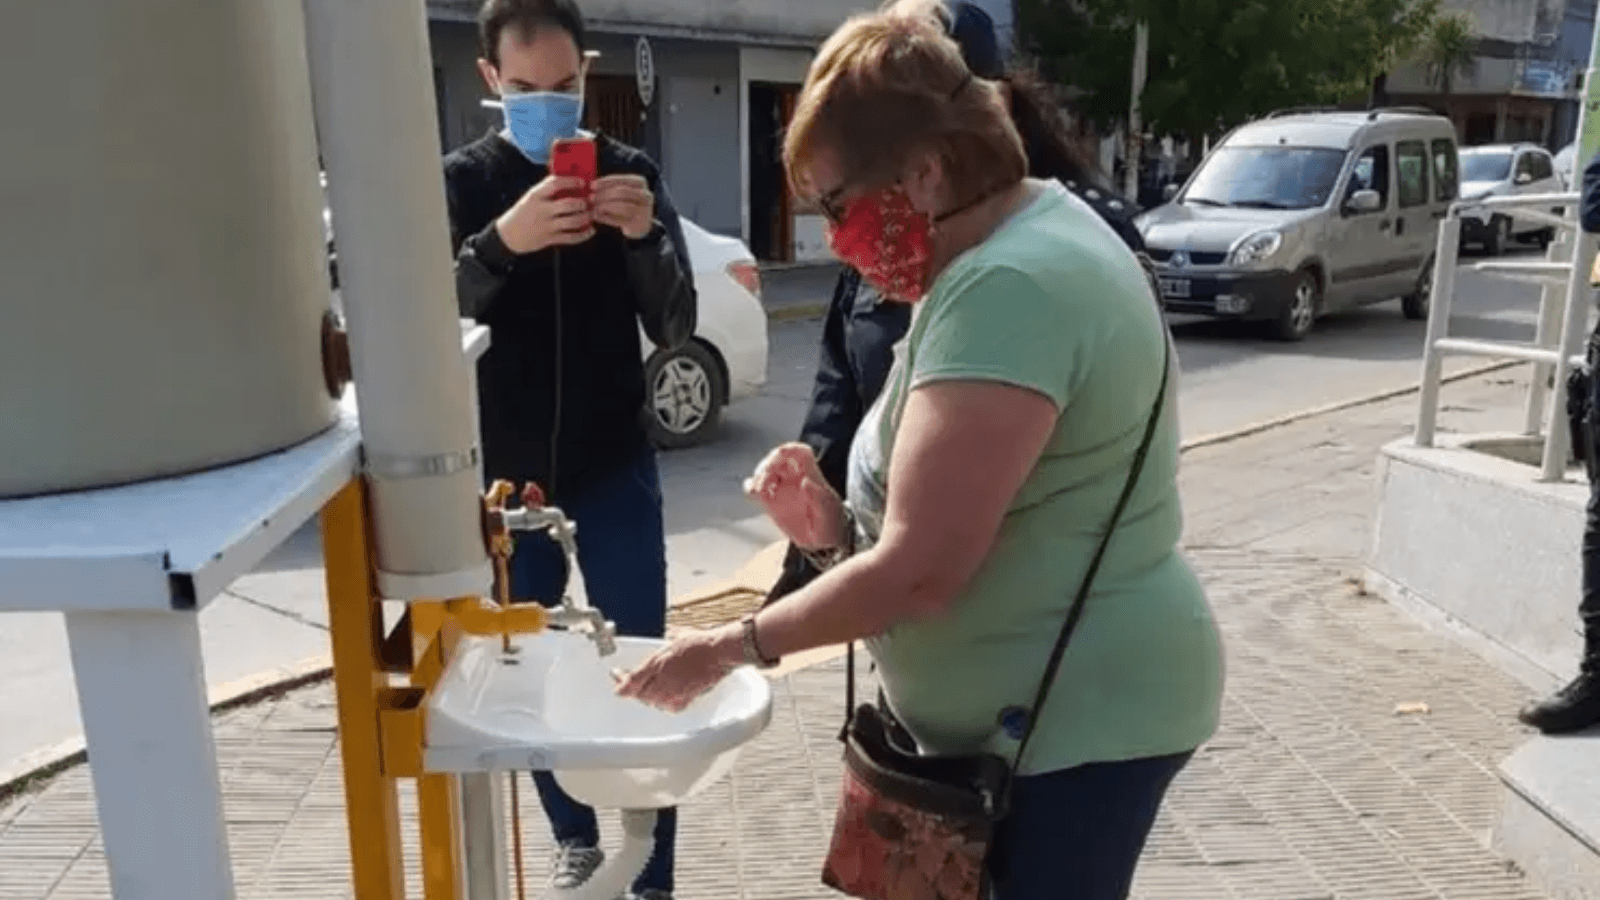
162	270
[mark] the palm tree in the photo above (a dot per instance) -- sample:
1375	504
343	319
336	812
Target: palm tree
1449	49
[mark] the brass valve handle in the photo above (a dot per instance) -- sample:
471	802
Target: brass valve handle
498	538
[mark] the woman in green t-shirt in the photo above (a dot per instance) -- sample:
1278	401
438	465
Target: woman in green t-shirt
983	479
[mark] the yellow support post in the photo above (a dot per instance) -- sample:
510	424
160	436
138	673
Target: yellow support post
382	728
355	624
438	801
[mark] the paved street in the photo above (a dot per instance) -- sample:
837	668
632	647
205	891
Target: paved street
1318	786
275	621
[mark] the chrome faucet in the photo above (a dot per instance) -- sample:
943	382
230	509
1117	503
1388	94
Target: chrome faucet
568	614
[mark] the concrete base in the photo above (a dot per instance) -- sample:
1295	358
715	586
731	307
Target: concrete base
1550	821
1469	541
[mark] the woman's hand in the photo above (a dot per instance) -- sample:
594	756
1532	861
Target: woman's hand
790	486
676	675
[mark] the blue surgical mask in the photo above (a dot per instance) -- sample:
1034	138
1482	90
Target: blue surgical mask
537	119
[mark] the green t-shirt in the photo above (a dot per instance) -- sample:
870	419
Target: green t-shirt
1055	303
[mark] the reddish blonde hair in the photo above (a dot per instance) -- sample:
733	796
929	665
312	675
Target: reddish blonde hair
892	84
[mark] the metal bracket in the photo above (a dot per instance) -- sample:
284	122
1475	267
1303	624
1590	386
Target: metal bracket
439	465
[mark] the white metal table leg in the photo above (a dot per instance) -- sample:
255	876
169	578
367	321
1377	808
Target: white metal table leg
483	817
142	693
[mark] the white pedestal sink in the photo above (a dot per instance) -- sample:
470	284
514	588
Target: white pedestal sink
551	705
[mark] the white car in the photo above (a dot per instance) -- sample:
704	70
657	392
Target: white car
1566	167
686	389
1505	170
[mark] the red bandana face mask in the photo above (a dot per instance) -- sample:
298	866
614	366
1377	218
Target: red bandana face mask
885	239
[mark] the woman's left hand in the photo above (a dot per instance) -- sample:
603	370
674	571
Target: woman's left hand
625	203
679	673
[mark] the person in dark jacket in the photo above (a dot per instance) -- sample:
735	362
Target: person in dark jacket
565	281
861	330
1576	707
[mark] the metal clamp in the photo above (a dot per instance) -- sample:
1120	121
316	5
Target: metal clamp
438	465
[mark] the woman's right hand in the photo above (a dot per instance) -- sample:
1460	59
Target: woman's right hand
790	486
553	213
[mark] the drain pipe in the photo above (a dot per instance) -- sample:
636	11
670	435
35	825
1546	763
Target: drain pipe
378	129
615	876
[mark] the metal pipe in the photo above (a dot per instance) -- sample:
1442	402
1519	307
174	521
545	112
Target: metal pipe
483	832
374	97
1497	350
1557	445
1444	289
1545	217
569	612
1552	304
1576	319
1520	200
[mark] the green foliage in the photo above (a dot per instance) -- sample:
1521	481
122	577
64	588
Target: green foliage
1216	63
1449	49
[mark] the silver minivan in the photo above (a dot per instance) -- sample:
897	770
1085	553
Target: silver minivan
1305	213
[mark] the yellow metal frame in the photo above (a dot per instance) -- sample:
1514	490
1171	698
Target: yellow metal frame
382	725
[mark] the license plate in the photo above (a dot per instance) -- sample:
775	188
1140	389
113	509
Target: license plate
1174	287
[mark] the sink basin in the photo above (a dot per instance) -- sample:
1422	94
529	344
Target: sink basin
551	706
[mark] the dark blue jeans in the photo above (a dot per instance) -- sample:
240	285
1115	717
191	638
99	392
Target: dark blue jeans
623	555
1077	834
1589	606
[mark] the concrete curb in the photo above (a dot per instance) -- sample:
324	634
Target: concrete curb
1228	437
792	312
50	761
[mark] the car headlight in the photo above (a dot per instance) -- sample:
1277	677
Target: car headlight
1256	248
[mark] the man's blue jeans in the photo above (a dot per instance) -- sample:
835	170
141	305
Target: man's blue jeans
623	556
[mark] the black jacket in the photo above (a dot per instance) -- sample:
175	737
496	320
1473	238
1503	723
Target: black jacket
561	390
1589	203
857	352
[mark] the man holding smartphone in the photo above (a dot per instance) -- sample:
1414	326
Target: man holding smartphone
565	270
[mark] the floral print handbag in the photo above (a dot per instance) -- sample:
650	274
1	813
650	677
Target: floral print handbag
910	827
914	827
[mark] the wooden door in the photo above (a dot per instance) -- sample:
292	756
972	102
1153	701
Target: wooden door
612	107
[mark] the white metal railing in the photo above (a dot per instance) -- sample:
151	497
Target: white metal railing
1563	318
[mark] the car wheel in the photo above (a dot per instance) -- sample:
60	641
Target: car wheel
1544	237
1416	304
1300	313
685	392
1499	236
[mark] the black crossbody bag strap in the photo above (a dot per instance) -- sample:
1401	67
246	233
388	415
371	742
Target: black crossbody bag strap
1075	613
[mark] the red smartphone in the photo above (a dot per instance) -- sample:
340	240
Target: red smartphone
574	158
